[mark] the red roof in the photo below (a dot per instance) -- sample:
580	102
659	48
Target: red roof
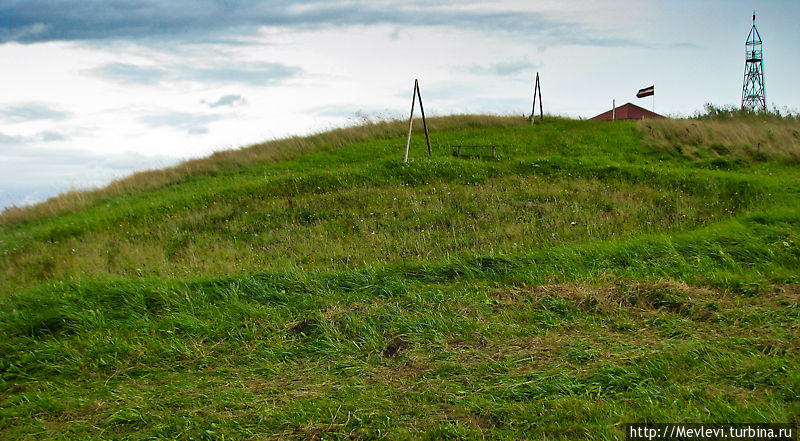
627	111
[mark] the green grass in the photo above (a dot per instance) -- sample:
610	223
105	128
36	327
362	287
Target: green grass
580	280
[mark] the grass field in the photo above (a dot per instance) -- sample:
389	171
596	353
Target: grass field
592	274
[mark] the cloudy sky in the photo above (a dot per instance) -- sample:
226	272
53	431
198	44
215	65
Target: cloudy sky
95	89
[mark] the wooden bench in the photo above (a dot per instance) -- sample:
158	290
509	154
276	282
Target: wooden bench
492	146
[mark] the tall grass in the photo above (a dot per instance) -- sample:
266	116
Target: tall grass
728	113
728	134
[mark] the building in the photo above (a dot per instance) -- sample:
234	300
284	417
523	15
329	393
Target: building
626	111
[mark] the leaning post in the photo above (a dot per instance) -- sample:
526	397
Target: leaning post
424	124
411	120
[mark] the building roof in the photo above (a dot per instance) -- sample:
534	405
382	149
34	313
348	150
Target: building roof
627	111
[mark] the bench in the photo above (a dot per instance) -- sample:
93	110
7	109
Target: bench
492	146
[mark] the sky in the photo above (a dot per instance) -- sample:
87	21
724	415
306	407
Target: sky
93	90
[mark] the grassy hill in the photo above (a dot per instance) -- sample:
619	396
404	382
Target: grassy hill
590	275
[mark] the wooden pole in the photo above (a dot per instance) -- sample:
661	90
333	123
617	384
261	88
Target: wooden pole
533	107
424	124
541	112
410	120
613	110
537	89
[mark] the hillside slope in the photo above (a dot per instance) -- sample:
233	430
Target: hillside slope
589	275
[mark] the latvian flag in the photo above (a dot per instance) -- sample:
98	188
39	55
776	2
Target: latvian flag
647	91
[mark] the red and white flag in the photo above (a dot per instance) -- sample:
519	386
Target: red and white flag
647	91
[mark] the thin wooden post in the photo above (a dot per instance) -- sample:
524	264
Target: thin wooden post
613	110
533	109
541	112
410	120
537	88
424	124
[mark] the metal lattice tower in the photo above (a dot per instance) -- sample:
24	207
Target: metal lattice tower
753	96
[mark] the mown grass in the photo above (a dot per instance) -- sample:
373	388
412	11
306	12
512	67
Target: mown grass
585	278
230	160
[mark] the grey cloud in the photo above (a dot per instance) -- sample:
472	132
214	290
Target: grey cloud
228	100
9	140
130	73
50	136
445	91
46	136
686	45
348	111
31	112
34	174
24	32
190	123
455	97
44	20
256	74
134	161
504	68
39	158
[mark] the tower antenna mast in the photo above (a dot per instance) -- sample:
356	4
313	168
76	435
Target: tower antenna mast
753	96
